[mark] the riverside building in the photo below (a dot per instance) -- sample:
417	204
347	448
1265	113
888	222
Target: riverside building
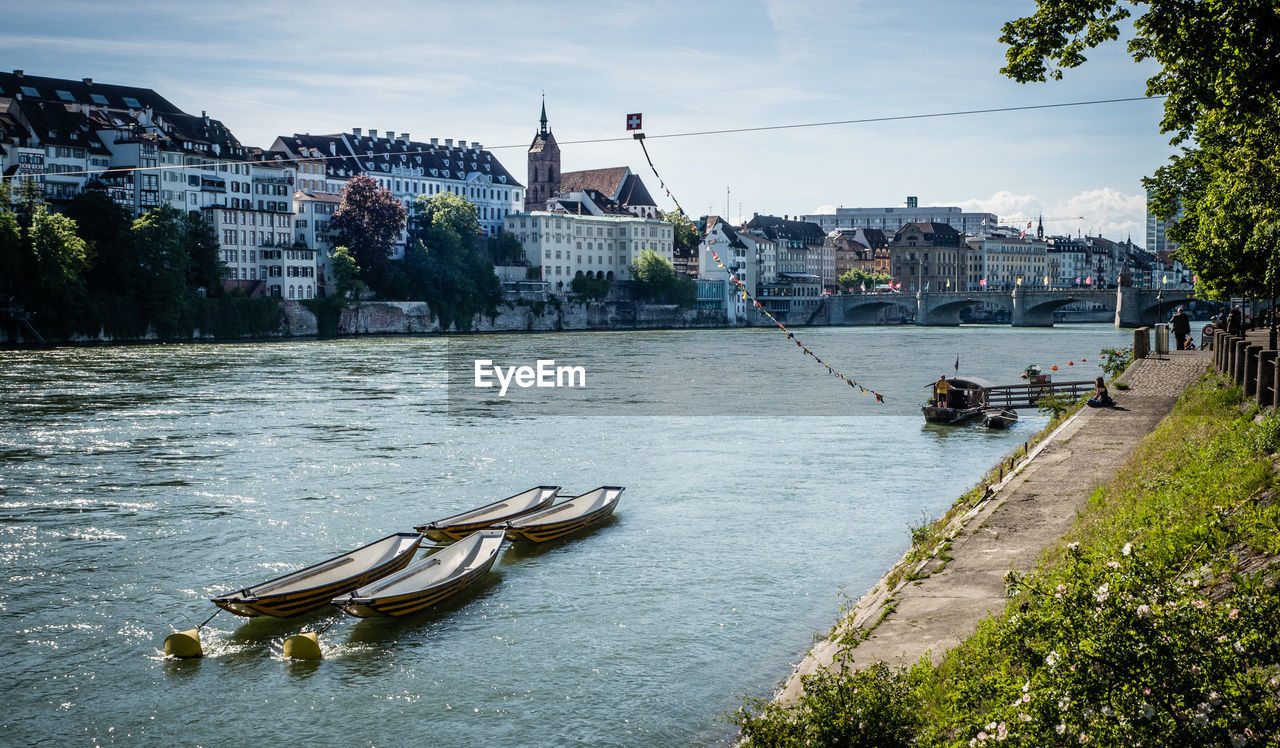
586	233
889	220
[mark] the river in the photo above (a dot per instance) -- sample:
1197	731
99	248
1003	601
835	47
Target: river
136	482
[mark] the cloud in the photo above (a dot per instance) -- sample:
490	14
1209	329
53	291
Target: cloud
1102	212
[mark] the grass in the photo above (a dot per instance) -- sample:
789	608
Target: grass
1156	620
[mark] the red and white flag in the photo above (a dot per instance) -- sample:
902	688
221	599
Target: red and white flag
1088	281
982	283
633	121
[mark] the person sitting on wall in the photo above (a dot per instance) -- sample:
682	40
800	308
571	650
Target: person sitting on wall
1101	398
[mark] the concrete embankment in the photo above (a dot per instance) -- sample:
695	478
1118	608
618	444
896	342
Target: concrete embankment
1028	511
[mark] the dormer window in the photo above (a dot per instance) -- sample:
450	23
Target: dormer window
29	91
132	103
65	95
98	99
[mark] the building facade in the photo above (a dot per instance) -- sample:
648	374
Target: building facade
889	220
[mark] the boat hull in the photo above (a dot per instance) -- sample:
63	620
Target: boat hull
999	420
934	414
248	604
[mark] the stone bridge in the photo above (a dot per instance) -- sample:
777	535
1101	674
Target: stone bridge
1134	307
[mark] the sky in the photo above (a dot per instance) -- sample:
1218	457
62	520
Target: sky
477	71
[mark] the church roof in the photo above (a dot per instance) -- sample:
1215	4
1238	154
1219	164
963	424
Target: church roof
604	181
543	142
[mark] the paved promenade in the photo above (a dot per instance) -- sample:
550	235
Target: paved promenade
1029	511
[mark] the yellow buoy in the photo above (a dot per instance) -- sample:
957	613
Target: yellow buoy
184	644
305	646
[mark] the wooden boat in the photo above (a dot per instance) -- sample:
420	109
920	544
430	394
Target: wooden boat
427	582
966	399
461	525
575	515
307	589
1001	418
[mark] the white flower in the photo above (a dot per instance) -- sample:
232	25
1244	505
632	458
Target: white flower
1001	732
1024	717
1144	611
1103	593
1051	660
1127	549
1147	711
1061	728
1073	546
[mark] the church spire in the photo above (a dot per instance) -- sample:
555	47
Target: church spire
543	129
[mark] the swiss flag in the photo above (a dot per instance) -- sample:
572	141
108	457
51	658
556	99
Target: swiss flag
633	121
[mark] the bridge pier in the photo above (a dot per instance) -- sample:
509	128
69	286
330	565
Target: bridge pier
1029	313
1128	308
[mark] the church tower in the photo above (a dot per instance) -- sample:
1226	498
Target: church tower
544	167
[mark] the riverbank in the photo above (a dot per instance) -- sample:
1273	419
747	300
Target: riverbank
297	320
932	653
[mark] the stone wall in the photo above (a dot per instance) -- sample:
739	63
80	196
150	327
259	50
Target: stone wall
414	318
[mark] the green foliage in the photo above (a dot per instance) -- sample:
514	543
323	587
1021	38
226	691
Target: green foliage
368	221
443	265
857	278
875	707
1055	405
1220	75
590	289
205	269
159	279
685	234
1115	361
346	274
1157	624
655	279
505	249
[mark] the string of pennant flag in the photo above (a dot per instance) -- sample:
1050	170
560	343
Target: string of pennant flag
633	123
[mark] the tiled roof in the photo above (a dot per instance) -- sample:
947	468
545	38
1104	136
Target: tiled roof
353	154
85	91
189	132
605	181
773	226
52	124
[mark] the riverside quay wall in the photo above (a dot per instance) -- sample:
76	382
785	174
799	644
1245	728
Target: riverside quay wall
296	320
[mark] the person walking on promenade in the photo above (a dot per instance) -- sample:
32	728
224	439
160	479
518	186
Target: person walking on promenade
1101	398
1234	326
1181	328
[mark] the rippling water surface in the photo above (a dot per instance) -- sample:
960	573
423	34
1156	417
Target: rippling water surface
135	483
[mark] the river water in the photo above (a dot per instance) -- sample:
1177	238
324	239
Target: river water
136	482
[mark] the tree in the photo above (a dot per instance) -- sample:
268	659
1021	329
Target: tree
857	278
104	225
589	288
443	265
368	221
346	274
205	269
655	279
57	260
159	280
685	234
505	249
1220	74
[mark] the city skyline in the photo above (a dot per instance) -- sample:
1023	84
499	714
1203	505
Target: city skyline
269	70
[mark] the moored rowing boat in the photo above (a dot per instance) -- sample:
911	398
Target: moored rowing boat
427	582
566	518
460	525
306	589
